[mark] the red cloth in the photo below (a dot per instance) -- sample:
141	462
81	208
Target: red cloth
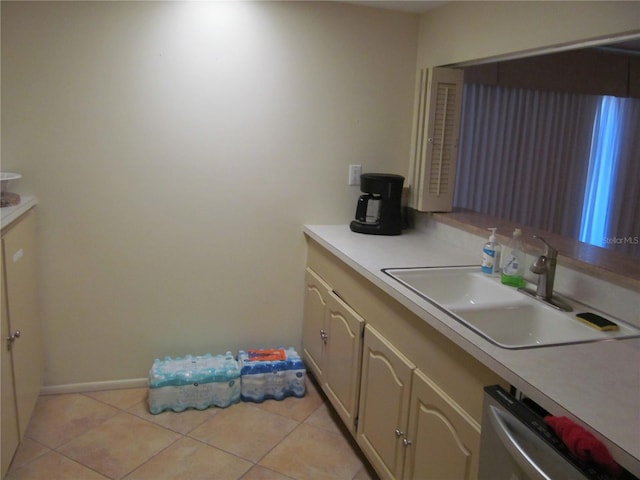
582	443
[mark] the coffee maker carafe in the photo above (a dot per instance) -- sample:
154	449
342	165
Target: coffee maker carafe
379	210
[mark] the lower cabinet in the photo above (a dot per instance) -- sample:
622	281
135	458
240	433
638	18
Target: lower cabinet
384	405
22	363
411	397
9	410
314	332
332	346
408	427
445	440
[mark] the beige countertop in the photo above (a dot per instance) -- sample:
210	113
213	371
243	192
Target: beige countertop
10	214
595	384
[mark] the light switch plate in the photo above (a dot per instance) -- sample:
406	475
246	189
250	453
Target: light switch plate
354	174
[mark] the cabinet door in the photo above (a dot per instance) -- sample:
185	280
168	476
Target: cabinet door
9	421
26	351
435	137
313	327
342	358
384	404
445	440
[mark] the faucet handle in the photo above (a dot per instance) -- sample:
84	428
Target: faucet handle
549	251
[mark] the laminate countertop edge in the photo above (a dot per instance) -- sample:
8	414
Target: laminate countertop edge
8	215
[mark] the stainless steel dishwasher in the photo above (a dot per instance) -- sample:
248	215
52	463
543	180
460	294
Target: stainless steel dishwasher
516	444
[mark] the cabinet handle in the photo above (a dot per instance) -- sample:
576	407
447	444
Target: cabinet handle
13	338
406	442
324	336
399	433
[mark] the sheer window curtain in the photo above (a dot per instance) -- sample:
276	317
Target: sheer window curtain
623	225
540	139
603	163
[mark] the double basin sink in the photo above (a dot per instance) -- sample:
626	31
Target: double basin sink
502	314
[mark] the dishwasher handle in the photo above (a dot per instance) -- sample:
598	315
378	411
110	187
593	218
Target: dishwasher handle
517	451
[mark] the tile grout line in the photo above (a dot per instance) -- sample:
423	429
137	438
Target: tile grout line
324	402
300	422
187	434
128	412
120	411
152	456
131	409
57	452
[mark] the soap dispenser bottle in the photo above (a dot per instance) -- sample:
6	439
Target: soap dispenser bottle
491	255
513	261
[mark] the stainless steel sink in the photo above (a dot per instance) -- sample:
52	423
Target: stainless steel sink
502	314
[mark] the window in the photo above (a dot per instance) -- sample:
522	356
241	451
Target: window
603	160
561	162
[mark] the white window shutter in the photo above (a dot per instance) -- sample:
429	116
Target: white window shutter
435	138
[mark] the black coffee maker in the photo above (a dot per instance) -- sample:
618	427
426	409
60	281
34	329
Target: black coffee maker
379	210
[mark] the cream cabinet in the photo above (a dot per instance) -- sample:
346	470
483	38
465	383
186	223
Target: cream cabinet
384	404
22	363
444	441
408	427
314	325
9	421
332	346
420	394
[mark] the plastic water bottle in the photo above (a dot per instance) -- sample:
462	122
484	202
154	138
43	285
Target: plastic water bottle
513	261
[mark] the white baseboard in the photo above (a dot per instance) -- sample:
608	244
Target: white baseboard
94	386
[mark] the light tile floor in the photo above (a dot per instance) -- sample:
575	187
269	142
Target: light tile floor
111	434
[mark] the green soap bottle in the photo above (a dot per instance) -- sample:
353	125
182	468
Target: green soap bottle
513	261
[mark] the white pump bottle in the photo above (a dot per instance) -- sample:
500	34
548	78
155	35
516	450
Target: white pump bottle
491	255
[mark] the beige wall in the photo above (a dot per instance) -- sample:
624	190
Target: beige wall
176	150
465	31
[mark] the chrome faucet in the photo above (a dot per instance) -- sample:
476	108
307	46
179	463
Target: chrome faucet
545	268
